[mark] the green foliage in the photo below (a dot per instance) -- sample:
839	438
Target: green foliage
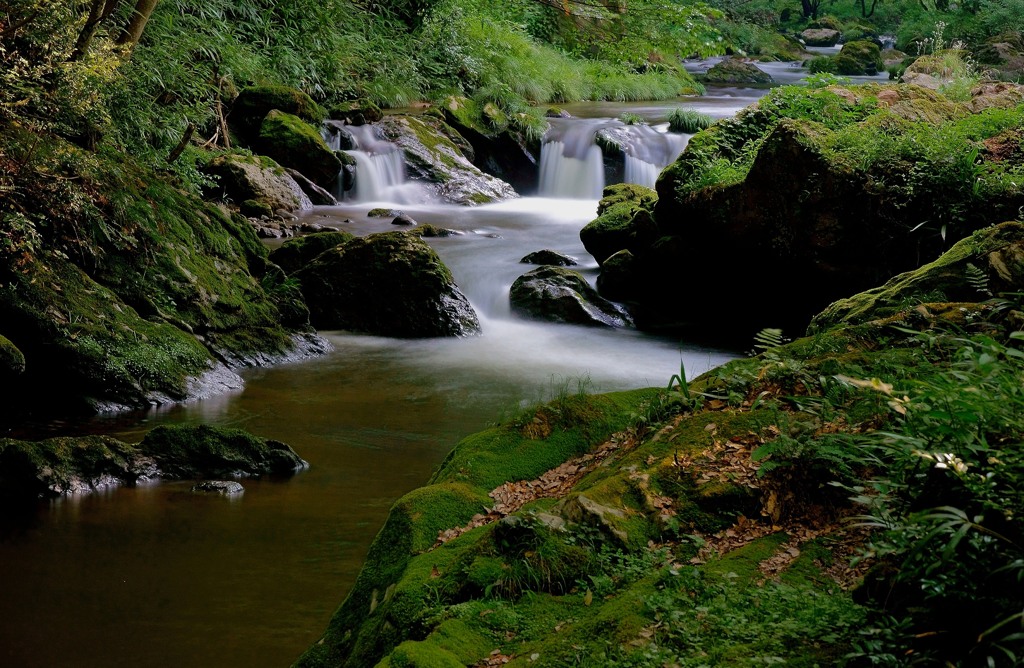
689	121
629	118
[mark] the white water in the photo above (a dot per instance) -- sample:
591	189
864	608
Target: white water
380	169
572	163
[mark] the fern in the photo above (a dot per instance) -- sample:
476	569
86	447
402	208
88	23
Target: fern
978	279
769	337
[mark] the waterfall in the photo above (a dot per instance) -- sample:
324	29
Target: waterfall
572	163
379	168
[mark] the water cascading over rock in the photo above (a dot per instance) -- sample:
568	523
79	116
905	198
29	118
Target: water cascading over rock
379	166
573	163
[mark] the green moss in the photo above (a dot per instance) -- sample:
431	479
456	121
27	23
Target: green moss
252	208
741	564
253	104
203	451
12	360
355	112
60	465
612	230
296	253
292	142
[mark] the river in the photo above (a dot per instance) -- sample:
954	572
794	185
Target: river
157	576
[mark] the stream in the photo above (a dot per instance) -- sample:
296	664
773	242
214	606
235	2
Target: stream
157	576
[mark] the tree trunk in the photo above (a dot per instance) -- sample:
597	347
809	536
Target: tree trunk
99	11
137	23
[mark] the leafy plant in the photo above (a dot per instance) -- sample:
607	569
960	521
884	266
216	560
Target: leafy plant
689	121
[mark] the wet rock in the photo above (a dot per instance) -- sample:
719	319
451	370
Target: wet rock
244	178
820	37
384	213
337	131
618	277
203	451
561	295
317	195
295	254
737	71
254	208
387	284
404	220
432	231
433	156
550	258
221	487
295	144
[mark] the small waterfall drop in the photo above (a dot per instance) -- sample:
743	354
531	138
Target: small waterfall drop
379	169
572	163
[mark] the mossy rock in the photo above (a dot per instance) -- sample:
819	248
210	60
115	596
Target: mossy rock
12	360
827	22
254	103
737	71
355	112
387	284
821	36
293	143
561	295
254	208
859	58
66	465
436	154
550	258
203	451
243	177
990	261
612	230
294	254
618	276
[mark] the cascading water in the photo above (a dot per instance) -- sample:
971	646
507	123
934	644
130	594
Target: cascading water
572	163
380	166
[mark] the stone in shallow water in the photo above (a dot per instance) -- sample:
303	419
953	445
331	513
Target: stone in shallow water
549	258
222	487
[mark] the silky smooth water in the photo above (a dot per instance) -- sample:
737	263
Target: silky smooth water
157	576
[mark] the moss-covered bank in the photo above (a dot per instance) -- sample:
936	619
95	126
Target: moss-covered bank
121	290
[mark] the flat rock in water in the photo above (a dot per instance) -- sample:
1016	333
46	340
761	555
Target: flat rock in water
735	71
222	487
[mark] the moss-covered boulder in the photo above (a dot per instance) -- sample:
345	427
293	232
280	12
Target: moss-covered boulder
203	451
254	103
433	155
295	254
859	58
12	360
74	465
821	36
243	177
355	112
127	289
736	71
1003	54
296	144
387	284
508	148
612	230
987	263
562	295
811	210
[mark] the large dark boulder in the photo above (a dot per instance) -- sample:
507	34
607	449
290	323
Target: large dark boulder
859	58
387	284
549	258
562	295
295	144
203	451
296	253
12	360
807	223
